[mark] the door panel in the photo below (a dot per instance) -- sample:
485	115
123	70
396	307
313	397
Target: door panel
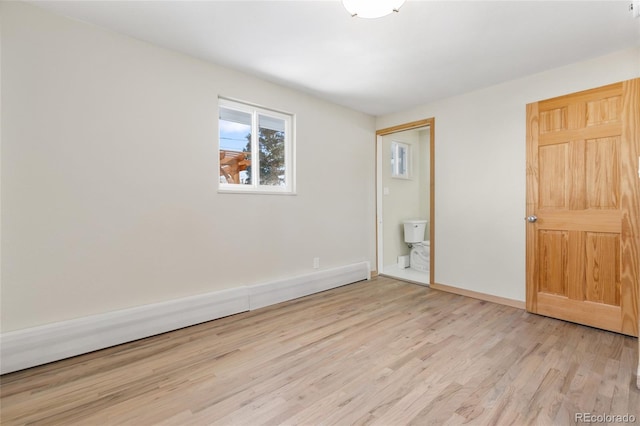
553	175
583	186
553	259
602	284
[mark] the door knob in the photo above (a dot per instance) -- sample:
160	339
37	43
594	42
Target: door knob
532	218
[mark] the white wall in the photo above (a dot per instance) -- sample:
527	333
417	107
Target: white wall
480	171
109	177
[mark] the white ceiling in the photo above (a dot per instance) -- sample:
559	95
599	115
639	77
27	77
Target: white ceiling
429	50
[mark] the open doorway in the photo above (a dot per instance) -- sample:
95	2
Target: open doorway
405	195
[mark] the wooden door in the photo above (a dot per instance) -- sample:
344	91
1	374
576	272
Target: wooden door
583	250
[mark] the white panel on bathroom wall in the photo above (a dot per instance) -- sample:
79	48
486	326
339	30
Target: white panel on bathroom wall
480	171
109	177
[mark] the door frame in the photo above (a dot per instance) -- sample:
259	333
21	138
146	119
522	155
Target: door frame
431	124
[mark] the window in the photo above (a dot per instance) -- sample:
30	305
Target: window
256	149
400	160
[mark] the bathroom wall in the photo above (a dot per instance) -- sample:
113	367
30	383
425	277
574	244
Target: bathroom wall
406	198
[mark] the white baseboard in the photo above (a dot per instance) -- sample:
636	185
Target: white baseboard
39	345
279	291
481	296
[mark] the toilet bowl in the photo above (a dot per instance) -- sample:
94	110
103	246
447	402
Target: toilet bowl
420	248
419	256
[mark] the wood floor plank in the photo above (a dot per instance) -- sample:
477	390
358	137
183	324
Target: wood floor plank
379	352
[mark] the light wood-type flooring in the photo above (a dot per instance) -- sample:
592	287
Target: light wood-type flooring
381	352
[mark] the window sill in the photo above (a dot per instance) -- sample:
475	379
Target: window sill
254	192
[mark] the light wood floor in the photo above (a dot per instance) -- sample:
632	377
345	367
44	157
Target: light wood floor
382	352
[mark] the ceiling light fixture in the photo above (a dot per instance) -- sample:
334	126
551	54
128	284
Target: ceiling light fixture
634	7
372	8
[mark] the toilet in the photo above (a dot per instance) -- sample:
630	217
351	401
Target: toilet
414	237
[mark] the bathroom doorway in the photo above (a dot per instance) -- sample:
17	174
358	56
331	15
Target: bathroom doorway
405	191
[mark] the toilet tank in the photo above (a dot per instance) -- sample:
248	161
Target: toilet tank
414	230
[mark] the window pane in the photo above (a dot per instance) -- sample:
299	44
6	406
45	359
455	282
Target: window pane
272	150
235	146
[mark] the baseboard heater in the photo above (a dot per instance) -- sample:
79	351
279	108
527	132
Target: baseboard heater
40	345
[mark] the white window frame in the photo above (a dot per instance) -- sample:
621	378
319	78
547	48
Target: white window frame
289	150
400	160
